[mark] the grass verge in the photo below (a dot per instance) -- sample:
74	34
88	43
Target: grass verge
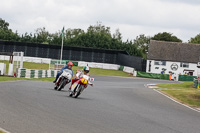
29	65
181	85
3	78
93	71
183	92
1	131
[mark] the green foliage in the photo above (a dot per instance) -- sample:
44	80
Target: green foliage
6	33
166	37
196	39
142	44
3	24
96	36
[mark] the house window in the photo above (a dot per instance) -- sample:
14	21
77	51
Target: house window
185	65
162	63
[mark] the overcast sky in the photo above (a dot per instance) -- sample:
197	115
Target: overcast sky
131	17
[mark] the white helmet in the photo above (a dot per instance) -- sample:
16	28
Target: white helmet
86	69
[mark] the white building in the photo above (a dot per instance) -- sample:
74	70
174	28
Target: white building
178	58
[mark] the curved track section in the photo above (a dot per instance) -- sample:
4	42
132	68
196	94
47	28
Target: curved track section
113	105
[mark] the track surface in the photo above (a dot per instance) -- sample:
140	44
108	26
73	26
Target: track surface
113	105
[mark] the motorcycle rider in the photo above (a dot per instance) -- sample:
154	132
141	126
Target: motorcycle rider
80	74
68	66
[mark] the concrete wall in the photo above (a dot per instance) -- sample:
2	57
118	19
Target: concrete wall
2	68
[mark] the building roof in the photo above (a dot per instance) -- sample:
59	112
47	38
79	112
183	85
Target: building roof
174	51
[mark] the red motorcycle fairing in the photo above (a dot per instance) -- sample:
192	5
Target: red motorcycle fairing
75	80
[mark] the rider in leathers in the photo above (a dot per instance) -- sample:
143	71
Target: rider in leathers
80	74
68	66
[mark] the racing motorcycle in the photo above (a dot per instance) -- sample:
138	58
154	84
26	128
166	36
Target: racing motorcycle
80	85
63	79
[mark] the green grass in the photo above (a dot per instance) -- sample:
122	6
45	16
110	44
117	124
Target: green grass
29	65
189	97
37	66
1	131
93	71
4	78
183	92
183	85
98	71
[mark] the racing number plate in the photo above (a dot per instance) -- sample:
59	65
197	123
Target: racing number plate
74	85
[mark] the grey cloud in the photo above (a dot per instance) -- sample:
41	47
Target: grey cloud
184	1
160	15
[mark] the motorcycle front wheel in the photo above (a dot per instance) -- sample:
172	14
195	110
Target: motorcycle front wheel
78	91
62	84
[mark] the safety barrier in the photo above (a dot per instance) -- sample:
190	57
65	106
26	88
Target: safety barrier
128	69
152	75
99	65
29	73
186	78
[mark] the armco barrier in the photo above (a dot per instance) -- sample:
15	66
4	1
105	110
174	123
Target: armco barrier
152	75
28	73
186	78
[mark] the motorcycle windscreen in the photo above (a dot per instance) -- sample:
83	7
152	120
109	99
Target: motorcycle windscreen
67	70
74	86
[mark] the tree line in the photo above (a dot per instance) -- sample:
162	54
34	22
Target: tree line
96	36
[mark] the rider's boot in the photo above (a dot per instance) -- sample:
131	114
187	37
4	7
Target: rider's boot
54	81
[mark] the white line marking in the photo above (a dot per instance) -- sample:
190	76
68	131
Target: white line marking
151	84
1	129
176	101
153	87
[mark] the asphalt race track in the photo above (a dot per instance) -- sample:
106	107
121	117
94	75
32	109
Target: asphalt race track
113	105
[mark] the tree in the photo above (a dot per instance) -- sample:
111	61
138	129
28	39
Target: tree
6	33
166	37
196	39
42	35
96	36
3	24
117	35
73	33
142	44
55	38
